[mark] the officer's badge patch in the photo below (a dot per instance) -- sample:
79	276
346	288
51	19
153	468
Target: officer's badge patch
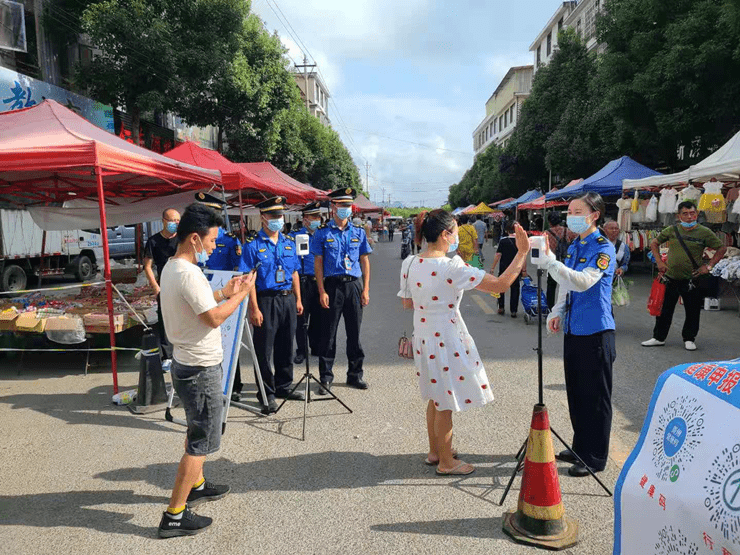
348	191
602	262
238	250
262	250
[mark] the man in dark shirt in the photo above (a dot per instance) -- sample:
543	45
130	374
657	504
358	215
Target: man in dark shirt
158	250
504	256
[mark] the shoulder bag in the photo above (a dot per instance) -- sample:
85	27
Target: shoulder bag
701	283
405	343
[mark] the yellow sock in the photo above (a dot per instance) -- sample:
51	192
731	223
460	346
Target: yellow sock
176	510
199	483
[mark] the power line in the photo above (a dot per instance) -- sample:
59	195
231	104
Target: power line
409	142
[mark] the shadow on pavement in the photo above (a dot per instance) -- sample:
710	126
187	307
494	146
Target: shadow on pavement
77	509
465	527
93	408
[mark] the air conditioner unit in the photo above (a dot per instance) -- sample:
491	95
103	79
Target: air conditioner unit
12	26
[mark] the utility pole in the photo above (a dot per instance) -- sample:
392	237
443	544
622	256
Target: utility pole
367	177
382	197
305	67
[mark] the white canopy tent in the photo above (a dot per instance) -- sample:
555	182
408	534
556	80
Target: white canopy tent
723	164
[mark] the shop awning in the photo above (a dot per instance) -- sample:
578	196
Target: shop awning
526	197
607	181
500	202
482	208
363	205
540	204
268	172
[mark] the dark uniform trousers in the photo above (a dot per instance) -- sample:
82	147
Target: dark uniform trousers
161	333
345	299
692	303
552	287
588	361
312	311
274	340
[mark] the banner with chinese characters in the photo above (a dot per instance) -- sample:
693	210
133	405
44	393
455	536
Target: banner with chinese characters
679	491
20	91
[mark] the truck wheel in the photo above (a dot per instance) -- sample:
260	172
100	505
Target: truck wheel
84	268
14	278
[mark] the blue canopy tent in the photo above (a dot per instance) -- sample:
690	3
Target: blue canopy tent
526	197
607	181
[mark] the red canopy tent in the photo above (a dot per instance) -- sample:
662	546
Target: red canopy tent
268	172
501	201
363	205
539	204
50	154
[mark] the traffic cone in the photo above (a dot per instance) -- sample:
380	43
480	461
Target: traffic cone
540	518
152	394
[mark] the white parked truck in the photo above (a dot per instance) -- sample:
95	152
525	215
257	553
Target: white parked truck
25	252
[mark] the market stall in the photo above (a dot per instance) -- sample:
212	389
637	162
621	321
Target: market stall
500	202
49	155
526	197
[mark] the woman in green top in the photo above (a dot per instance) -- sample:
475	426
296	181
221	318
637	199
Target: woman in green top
685	264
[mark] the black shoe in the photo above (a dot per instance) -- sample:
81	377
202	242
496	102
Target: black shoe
323	389
357	383
236	396
566	455
513	314
271	407
578	471
299	358
210	492
189	525
294	396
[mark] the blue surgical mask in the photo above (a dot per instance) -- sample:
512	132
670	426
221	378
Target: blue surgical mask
578	224
344	212
276	224
202	256
171	227
688	225
453	246
313	225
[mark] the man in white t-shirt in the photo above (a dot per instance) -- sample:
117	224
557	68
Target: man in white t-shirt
480	228
193	314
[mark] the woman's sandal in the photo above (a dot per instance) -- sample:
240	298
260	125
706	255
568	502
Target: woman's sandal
435	463
457	470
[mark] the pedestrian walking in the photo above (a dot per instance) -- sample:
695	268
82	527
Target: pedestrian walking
480	230
468	239
584	313
342	266
391	231
276	302
448	366
683	273
557	237
504	257
309	289
612	231
193	314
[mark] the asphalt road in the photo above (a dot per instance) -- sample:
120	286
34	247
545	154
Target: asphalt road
82	476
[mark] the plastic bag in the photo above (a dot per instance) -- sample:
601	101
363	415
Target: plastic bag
475	262
620	293
657	295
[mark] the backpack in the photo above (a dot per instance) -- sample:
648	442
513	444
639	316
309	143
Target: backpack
561	250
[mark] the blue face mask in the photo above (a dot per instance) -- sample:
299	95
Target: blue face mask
344	213
276	224
453	246
688	225
313	225
171	227
578	224
202	256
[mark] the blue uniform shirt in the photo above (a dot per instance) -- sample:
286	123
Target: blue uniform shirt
334	245
228	253
272	257
305	263
590	312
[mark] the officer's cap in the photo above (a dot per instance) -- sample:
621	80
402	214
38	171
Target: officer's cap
343	195
312	209
209	200
274	205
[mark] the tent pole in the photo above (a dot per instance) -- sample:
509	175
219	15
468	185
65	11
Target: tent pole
241	215
106	274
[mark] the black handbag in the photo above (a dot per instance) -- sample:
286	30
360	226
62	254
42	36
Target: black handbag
702	283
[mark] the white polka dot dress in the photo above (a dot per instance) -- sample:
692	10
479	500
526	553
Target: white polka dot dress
448	366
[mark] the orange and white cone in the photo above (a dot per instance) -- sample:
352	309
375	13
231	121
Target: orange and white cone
540	518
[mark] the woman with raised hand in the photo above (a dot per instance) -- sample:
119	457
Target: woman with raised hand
449	368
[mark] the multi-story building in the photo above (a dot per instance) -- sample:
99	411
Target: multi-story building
546	43
318	94
583	20
502	109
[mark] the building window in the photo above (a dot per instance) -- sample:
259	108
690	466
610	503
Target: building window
511	115
560	25
500	123
539	54
578	27
494	126
549	43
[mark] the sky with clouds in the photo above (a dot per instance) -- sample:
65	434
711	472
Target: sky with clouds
409	80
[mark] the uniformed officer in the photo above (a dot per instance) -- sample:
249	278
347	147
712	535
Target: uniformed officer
277	301
584	312
309	289
342	269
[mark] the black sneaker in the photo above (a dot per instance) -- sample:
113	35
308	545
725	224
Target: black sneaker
210	492
323	388
189	525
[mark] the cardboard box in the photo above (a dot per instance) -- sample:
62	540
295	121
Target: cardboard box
99	323
7	319
123	275
29	322
63	323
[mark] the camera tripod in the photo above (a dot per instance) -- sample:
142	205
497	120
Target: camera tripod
523	449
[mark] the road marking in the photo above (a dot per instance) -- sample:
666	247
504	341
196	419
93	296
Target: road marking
484	306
